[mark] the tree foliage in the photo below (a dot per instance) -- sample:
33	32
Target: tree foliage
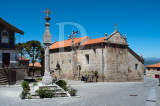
33	49
21	48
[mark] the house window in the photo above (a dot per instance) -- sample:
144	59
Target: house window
87	58
69	61
158	69
148	68
4	36
136	66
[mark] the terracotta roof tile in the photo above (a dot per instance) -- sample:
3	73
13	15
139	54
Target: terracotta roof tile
154	66
23	58
67	43
36	64
94	41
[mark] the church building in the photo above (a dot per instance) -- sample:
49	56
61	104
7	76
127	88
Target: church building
109	55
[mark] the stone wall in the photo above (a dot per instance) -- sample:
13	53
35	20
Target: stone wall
135	74
95	58
151	72
117	63
64	59
117	38
21	74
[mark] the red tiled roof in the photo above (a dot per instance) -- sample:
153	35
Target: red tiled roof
94	41
36	64
23	58
154	66
67	43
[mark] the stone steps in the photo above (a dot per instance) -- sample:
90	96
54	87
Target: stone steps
4	83
59	92
3	78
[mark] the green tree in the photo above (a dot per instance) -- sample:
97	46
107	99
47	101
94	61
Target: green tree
41	59
21	48
33	49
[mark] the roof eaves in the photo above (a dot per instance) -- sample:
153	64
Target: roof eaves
11	26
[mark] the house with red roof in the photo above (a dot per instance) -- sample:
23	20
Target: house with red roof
153	71
109	55
35	69
23	62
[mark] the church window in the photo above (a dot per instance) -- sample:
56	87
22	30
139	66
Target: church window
4	36
87	58
136	66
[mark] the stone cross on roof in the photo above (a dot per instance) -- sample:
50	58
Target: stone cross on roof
47	11
115	27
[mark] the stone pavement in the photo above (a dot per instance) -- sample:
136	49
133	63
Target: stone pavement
91	94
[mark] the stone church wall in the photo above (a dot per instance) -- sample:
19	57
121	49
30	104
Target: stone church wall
95	59
119	63
135	74
117	38
64	60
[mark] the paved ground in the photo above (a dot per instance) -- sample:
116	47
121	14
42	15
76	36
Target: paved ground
92	94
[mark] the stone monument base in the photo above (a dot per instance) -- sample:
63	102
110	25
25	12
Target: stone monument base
47	80
59	92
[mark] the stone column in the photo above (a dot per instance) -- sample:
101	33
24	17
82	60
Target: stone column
47	79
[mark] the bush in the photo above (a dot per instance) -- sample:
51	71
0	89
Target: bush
24	94
72	92
96	75
45	92
62	84
66	88
90	76
25	86
40	79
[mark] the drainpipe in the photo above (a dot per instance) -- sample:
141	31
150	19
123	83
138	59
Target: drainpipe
102	64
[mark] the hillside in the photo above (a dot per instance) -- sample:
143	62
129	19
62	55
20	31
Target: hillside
150	61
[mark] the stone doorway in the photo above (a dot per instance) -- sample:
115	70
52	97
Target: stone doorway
5	59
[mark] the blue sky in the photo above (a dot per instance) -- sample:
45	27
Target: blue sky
138	19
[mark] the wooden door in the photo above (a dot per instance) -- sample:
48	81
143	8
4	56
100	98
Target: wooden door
5	59
156	76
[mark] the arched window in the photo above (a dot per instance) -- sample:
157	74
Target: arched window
4	36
